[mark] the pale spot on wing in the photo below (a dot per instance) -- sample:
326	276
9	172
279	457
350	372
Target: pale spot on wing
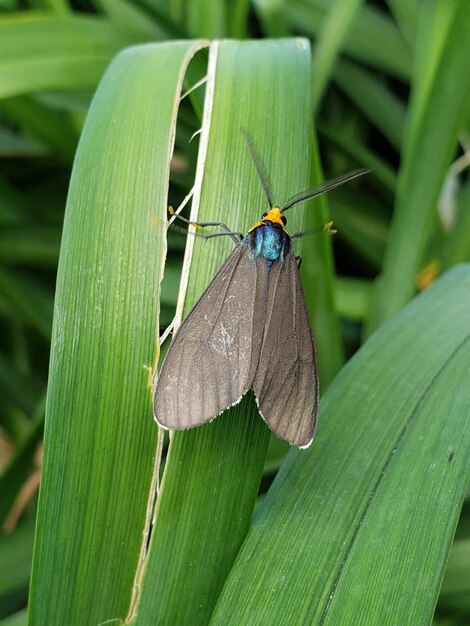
221	341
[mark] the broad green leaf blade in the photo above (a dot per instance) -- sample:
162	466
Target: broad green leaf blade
213	472
41	52
100	434
435	120
357	529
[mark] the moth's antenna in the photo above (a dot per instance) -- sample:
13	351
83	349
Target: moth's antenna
262	174
328	186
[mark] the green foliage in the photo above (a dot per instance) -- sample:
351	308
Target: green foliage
357	529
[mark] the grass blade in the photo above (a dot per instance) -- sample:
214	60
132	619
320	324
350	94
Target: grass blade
213	472
372	39
329	44
42	52
99	433
434	122
357	530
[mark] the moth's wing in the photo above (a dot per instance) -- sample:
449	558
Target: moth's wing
286	380
209	364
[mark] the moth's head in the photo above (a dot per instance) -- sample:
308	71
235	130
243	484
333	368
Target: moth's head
274	215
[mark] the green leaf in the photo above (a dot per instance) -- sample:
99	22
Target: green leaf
317	272
406	15
16	473
374	100
17	387
41	52
353	297
237	22
357	529
360	222
32	302
373	37
17	619
205	18
361	155
16	551
50	127
329	44
457	578
213	472
439	108
30	244
13	145
12	204
99	433
128	14
272	15
457	247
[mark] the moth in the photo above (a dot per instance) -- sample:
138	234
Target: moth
249	330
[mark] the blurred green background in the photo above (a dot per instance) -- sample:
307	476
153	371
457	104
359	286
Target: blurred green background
390	93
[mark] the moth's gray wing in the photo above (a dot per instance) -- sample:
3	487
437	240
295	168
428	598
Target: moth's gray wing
286	380
209	364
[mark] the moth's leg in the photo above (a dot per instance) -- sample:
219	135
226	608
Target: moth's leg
236	237
326	228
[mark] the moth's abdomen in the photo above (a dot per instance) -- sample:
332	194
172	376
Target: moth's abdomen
268	241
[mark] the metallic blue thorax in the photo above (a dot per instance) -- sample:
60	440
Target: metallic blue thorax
268	241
